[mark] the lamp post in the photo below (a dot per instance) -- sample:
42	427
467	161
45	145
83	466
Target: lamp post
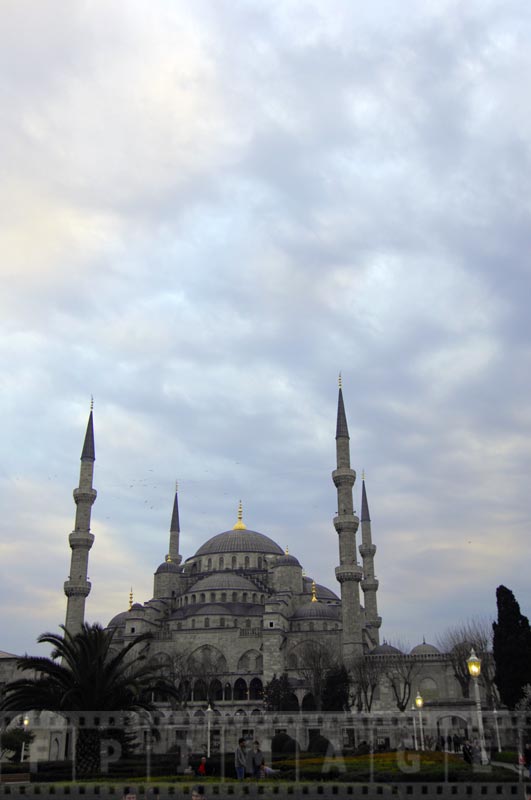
497	728
474	668
419	702
415	731
25	722
209	717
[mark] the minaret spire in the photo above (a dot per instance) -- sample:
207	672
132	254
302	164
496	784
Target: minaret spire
349	574
175	530
77	587
369	583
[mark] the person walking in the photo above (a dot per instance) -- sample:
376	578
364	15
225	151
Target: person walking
240	759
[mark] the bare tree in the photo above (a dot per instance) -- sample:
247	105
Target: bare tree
401	670
366	674
315	663
458	641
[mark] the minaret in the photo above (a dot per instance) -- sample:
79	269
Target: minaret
175	531
77	587
369	583
349	574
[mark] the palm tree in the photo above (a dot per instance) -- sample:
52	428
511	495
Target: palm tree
86	673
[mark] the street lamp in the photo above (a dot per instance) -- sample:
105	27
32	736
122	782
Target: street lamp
415	731
474	668
209	717
25	722
419	702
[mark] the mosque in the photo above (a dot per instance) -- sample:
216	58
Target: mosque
240	610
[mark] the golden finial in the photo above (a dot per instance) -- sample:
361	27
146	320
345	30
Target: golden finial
176	486
168	559
314	593
91	402
240	526
131	599
339	380
287	550
304	573
363	474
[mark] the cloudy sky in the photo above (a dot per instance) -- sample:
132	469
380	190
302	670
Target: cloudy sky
209	209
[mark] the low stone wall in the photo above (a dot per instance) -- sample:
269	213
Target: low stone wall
307	791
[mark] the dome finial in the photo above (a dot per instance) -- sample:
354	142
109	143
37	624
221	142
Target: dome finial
131	599
168	558
314	593
287	550
339	380
240	526
91	402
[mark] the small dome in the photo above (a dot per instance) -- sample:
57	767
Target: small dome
385	650
425	649
316	611
286	561
168	566
239	541
322	592
118	620
223	580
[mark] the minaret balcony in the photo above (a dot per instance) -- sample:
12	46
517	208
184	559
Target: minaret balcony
349	572
367	550
81	540
77	588
344	476
346	523
85	496
369	585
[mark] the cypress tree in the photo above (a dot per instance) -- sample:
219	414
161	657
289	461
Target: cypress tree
511	648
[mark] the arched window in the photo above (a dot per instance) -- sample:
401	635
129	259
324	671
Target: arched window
255	689
209	563
199	565
240	690
233	562
235	623
193	598
186	600
259	562
202	597
221	562
193	623
212	597
247	562
235	597
254	597
228	691
215	691
223	597
207	622
429	689
222	622
262	599
200	690
244	597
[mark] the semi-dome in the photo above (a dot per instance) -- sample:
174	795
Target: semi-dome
240	541
168	566
316	611
222	580
425	649
286	561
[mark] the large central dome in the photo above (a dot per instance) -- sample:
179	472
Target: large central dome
240	541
